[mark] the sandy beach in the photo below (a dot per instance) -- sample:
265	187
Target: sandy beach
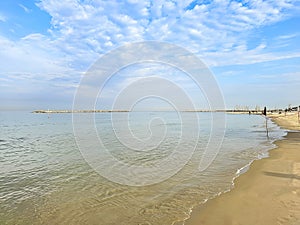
268	193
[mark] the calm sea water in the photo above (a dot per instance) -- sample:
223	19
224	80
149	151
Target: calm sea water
44	179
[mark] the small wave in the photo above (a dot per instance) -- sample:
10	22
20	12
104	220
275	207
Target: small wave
265	147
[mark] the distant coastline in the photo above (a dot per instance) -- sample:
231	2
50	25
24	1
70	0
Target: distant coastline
245	110
110	111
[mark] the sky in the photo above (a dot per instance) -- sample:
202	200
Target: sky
252	47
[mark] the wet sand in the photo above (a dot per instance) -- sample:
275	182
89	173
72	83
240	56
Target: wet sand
268	193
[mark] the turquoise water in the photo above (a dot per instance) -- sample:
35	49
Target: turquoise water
44	178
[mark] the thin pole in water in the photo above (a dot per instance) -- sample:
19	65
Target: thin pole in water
265	114
298	114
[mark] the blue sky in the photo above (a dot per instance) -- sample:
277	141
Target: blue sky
46	46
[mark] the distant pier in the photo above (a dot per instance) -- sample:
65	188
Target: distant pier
78	111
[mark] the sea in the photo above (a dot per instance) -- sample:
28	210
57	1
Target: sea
139	168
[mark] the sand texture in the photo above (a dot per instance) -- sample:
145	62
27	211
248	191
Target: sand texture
267	194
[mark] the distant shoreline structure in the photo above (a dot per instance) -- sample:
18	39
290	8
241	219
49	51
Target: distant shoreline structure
121	111
257	110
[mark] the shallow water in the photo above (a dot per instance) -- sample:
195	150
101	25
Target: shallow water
44	178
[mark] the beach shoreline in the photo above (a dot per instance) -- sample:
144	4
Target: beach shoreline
268	193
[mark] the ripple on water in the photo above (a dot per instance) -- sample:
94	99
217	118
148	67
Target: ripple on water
44	179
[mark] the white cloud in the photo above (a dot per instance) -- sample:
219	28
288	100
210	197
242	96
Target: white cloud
81	31
289	36
87	29
242	56
25	8
33	57
2	17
